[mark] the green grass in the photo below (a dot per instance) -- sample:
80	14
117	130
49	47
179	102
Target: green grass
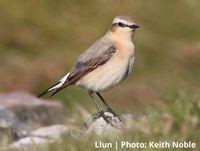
40	40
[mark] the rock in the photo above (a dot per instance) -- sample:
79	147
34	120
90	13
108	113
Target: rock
41	136
11	126
28	142
45	135
32	110
96	124
18	110
115	126
53	132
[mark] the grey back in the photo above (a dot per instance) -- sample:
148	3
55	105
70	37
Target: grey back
96	49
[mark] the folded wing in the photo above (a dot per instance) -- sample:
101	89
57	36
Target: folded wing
87	62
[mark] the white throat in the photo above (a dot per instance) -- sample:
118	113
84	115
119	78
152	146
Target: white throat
121	35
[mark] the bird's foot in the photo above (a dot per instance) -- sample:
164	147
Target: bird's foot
110	117
121	119
99	115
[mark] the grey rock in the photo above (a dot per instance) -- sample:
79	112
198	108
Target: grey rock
53	131
96	124
11	126
113	126
41	137
32	110
28	142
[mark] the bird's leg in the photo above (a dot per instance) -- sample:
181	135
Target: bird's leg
108	107
94	100
105	103
101	112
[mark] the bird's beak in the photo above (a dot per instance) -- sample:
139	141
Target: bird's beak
134	26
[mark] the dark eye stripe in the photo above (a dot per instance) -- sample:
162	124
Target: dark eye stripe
122	25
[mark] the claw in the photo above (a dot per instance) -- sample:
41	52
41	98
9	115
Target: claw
112	119
100	114
121	119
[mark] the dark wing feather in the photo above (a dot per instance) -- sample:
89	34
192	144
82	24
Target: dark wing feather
47	90
83	68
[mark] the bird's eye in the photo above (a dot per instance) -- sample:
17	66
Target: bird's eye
120	24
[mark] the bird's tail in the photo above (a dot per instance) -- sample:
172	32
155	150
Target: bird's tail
56	87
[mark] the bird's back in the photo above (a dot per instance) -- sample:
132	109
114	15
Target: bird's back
96	49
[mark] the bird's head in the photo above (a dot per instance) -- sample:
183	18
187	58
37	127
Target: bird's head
123	25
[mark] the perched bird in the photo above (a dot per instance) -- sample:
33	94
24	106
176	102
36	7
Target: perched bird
106	63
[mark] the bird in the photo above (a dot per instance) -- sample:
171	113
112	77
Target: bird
105	64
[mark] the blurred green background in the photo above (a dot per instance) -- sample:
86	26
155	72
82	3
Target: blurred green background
41	39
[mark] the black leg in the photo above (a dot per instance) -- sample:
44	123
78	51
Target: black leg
100	113
105	103
94	100
108	107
